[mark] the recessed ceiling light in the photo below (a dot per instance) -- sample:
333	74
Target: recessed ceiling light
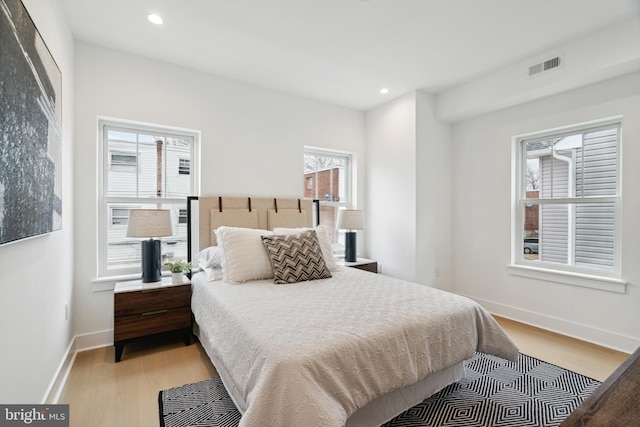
155	19
384	91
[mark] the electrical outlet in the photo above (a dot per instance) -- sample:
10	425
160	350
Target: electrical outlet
66	311
437	271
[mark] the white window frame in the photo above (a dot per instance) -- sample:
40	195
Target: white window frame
350	182
591	278
104	273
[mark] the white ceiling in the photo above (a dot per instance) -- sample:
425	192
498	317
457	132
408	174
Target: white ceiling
343	51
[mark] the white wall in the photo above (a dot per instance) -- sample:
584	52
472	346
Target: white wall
390	210
611	51
433	195
408	184
36	274
252	144
482	216
438	204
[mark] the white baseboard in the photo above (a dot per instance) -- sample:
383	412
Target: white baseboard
56	386
587	333
94	340
78	343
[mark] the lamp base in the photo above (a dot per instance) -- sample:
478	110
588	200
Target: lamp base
151	261
350	246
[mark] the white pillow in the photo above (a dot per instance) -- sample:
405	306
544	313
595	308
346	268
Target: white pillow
323	239
209	258
213	274
243	254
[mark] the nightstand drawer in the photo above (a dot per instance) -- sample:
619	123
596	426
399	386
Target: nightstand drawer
151	322
147	300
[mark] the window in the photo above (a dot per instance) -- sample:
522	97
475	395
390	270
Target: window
567	200
327	177
119	216
124	162
182	216
139	170
184	166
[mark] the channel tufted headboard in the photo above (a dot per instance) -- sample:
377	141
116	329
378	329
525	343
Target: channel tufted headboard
206	213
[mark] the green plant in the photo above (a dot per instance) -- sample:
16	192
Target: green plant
178	266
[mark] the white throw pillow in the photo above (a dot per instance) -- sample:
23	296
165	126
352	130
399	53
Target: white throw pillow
209	258
243	255
323	239
213	274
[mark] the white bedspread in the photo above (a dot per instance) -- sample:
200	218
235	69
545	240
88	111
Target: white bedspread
311	353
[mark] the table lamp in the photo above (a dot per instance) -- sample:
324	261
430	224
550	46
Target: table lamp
350	219
150	223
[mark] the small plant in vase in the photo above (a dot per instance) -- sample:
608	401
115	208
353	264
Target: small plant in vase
177	269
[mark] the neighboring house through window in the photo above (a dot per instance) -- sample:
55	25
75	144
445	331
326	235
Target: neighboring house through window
184	166
182	216
567	200
123	162
327	177
119	216
142	167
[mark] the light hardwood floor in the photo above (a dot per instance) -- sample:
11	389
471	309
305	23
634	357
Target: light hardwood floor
102	393
579	356
125	394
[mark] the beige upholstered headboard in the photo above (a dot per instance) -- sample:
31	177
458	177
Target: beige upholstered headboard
249	212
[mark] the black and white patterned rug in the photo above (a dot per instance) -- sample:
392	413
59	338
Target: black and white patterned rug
494	392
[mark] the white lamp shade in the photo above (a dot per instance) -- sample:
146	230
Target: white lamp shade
350	219
149	223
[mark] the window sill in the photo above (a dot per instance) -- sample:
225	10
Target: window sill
108	283
577	279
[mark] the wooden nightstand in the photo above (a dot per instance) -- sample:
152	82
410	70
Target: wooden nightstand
143	309
361	264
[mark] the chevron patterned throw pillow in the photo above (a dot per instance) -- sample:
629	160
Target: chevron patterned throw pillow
296	258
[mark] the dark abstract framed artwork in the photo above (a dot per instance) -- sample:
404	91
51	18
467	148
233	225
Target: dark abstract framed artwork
30	129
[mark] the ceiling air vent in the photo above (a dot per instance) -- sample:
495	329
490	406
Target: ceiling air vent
547	65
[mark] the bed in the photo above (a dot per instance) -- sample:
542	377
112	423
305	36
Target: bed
346	348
